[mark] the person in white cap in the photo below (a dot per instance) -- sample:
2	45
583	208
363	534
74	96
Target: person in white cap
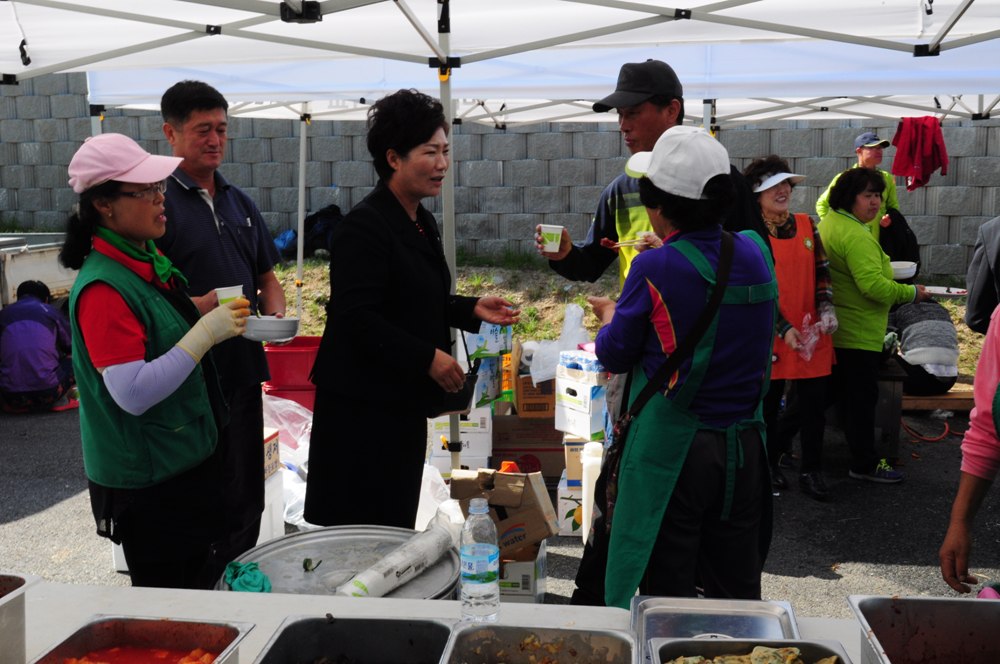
150	404
693	506
868	146
803	348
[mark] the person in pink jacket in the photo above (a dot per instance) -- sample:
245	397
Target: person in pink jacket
980	462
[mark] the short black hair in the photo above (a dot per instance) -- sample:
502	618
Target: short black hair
664	100
852	182
402	121
183	98
765	167
689	214
36	289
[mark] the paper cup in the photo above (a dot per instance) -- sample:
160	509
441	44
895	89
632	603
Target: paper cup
229	293
551	237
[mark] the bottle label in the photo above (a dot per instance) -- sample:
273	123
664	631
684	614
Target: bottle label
480	563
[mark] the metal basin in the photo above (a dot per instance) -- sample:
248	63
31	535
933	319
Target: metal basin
928	630
12	621
345	551
110	631
356	641
665	650
509	644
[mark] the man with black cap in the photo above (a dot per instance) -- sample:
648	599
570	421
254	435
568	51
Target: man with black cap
868	147
649	100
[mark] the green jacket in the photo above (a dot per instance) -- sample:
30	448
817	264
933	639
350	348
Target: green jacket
124	451
889	199
863	288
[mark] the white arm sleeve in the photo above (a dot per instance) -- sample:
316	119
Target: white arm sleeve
138	386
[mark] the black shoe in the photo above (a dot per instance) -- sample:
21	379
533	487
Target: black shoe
778	480
787	461
812	485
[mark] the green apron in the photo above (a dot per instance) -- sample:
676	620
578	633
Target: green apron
658	442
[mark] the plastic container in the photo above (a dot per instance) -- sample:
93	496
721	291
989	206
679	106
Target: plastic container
290	364
480	565
12	616
590	460
513	644
304	396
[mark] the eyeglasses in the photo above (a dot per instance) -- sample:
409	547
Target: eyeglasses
149	192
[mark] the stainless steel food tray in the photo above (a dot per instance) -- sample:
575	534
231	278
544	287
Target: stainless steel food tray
898	630
680	618
361	640
106	631
476	643
12	616
665	650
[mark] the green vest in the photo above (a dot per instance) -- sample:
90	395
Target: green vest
124	451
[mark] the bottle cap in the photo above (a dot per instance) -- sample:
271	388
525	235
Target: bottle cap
509	467
478	506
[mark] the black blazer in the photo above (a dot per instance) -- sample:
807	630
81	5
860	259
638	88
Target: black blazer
390	305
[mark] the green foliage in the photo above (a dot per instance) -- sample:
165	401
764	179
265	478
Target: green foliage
9	225
511	260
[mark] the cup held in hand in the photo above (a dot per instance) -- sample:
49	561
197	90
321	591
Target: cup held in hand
228	293
551	237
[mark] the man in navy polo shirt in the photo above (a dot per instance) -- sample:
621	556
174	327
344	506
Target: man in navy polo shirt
217	237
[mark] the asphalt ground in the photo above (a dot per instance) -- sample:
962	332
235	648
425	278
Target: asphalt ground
869	540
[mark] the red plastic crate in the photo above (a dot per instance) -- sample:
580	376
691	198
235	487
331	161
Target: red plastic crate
291	363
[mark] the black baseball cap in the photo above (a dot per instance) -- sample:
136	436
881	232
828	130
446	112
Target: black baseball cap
640	81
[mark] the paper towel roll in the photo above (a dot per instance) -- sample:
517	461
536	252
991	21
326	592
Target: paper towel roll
528	349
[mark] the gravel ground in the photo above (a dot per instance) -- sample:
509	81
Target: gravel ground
871	539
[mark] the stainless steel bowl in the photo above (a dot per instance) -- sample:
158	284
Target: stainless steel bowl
665	650
474	643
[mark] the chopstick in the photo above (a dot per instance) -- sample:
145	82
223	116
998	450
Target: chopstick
631	243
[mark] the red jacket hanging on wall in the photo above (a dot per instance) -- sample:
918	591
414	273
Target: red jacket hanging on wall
920	150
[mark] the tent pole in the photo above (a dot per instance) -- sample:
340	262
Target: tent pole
304	120
448	208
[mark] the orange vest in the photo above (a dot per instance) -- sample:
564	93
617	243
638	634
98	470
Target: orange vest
795	268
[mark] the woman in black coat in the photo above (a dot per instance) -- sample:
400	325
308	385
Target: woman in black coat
385	363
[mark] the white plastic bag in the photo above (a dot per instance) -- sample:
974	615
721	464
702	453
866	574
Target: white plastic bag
433	492
546	357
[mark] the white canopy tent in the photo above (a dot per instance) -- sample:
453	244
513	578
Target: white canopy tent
522	60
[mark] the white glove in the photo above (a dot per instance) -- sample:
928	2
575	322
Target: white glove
224	322
827	319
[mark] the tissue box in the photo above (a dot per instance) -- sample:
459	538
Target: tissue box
570	506
519	505
580	408
492	341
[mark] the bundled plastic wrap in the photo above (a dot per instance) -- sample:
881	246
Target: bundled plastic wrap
410	558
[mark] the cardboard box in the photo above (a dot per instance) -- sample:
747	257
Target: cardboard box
580	407
534	444
475	429
570	501
523	575
519	505
530	400
272	459
581	366
467	462
573	453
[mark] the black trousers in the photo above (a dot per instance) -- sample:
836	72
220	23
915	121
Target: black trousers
855	387
695	550
804	413
241	451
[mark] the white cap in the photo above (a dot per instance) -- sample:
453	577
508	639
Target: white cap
682	161
776	179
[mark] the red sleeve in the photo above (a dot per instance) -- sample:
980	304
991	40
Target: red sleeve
111	332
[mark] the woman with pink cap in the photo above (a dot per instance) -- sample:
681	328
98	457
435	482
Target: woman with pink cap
149	398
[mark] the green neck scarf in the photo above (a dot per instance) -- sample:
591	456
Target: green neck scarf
162	266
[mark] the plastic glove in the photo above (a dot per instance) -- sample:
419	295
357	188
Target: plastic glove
827	319
224	322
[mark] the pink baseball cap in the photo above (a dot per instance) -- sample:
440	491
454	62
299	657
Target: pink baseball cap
116	157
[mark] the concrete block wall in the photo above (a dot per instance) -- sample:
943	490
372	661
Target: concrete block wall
507	181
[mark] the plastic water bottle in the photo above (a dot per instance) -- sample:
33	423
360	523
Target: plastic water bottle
480	563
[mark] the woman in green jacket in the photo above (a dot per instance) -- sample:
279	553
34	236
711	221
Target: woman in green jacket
863	292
